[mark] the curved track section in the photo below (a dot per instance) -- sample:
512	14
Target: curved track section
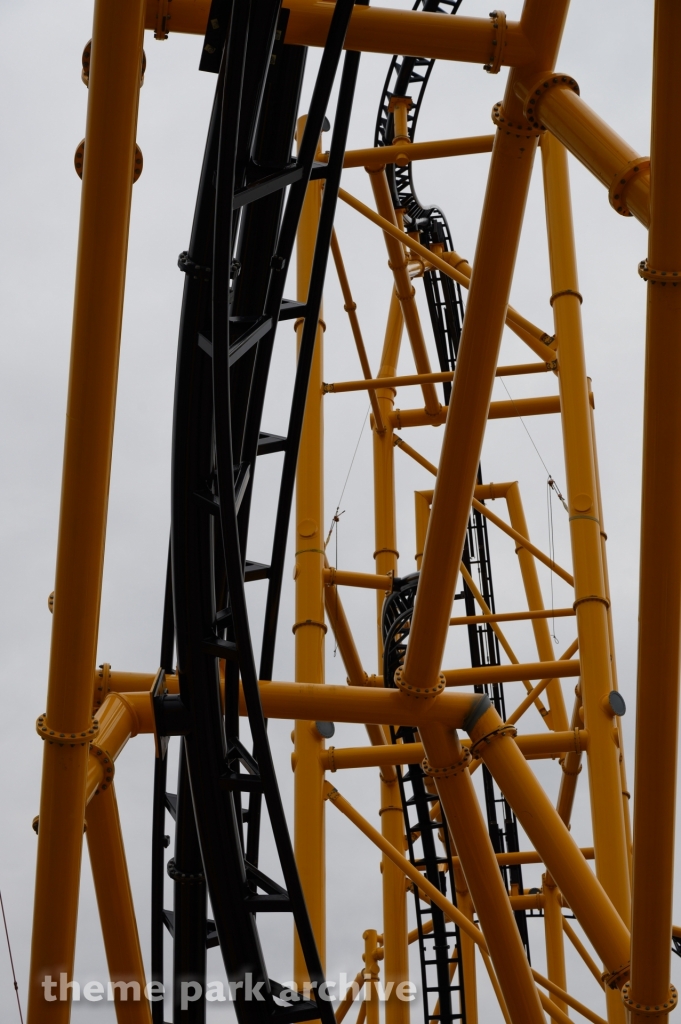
235	267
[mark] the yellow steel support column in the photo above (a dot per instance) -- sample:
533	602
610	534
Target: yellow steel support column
370	957
397	261
502	216
116	909
546	831
657	704
467	946
626	795
385	529
447	762
395	925
557	717
98	308
612	866
553	931
395	929
309	626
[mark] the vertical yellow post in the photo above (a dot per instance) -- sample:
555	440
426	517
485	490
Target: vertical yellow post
395	930
553	931
448	764
626	796
371	972
98	308
528	567
385	529
309	625
467	947
591	601
116	909
657	703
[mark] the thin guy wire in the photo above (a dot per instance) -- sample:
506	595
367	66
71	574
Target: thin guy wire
11	960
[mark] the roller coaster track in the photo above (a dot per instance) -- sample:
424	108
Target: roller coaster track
430	727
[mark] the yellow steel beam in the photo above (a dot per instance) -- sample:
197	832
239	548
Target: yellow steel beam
404	289
612	860
454	266
537	690
582	950
553	102
545	613
453	912
366	580
571	765
310	628
399	154
659	640
553	934
116	909
385	30
543	406
550	744
548	834
113	97
350	307
427	378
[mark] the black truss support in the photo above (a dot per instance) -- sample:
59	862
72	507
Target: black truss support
233	301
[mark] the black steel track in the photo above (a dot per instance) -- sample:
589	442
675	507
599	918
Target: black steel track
250	198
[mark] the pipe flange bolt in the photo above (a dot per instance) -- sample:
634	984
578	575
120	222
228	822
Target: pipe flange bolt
182	877
450	770
539	90
418	691
503	730
106	764
617	193
517	128
498	43
663	277
650	1011
65	739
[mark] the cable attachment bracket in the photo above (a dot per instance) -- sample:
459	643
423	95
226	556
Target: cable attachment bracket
498	42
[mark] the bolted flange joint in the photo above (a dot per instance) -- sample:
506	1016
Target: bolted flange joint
418	691
539	90
642	1009
449	771
65	739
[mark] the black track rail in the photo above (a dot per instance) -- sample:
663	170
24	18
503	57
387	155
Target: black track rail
235	265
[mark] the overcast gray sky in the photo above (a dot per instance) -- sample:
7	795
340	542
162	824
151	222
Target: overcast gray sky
607	48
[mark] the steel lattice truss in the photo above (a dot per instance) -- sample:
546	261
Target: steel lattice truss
267	197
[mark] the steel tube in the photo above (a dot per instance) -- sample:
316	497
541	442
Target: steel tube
657	701
612	862
111	123
309	810
417	34
116	909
